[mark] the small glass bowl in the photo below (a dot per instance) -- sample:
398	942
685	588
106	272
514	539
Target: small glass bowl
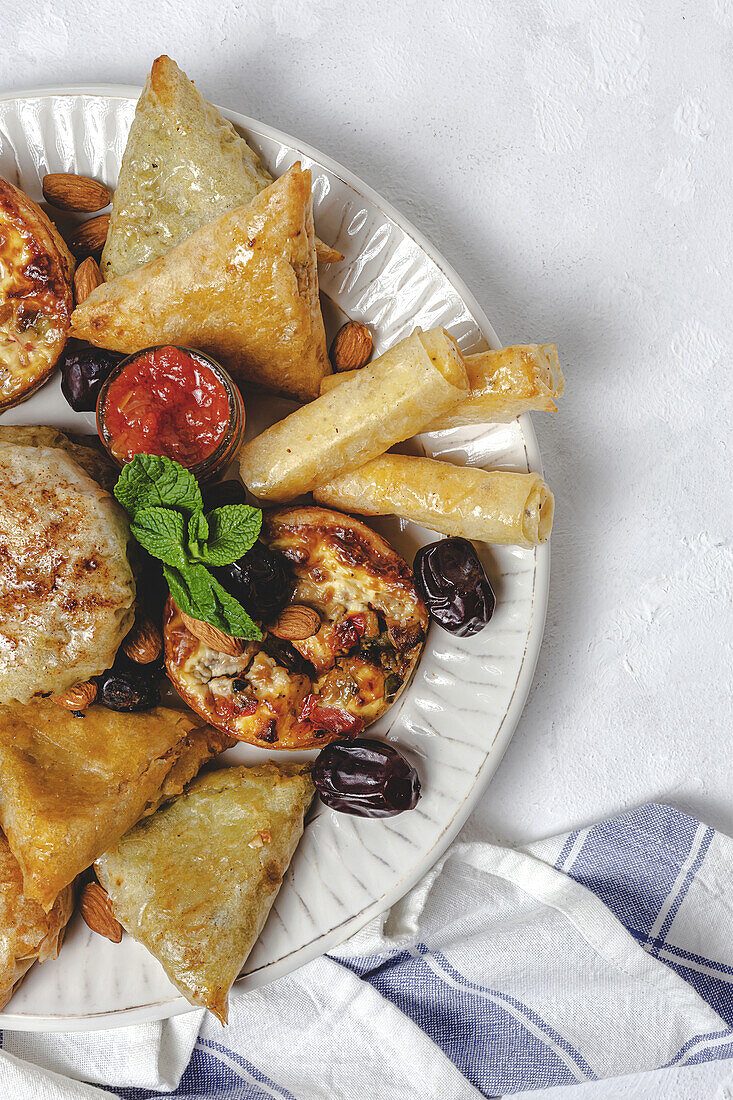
220	458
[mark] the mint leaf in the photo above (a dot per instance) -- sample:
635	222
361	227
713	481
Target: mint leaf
198	532
161	532
198	594
232	530
239	623
153	480
166	508
200	584
180	591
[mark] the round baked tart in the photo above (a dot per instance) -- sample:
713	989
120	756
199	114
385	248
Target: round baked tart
303	694
36	298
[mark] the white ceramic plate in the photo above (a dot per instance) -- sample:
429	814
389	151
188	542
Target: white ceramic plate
460	711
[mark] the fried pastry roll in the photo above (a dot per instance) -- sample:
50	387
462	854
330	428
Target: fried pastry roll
487	505
384	403
502	384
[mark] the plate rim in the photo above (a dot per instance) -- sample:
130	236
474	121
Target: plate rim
176	1006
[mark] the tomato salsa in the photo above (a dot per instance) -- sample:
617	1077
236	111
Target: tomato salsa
166	401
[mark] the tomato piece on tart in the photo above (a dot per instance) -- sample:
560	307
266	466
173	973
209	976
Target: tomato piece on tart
36	297
305	693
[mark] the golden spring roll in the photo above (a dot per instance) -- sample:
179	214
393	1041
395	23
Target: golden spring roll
486	505
502	384
384	403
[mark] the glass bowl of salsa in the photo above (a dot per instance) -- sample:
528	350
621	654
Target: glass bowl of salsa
173	401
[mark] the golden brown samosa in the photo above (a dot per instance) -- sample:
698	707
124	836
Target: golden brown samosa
71	785
243	288
184	165
195	882
27	934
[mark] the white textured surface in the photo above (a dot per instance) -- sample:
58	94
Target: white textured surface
572	160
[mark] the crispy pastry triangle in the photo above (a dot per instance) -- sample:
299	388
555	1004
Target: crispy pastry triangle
195	882
184	165
71	786
243	288
27	934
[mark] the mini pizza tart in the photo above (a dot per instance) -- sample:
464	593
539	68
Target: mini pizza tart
36	297
302	694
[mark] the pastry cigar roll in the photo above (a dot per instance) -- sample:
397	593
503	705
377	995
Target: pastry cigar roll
486	505
384	403
502	384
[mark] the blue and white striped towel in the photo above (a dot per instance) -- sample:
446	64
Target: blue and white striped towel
604	952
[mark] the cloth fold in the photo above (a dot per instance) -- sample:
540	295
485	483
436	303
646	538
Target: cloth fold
602	952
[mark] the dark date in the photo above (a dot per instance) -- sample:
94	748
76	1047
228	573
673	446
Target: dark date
454	585
125	693
83	370
262	581
366	778
128	686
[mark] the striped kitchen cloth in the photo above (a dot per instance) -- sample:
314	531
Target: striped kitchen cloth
603	952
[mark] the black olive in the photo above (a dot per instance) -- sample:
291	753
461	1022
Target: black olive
262	581
125	690
366	778
223	492
454	585
83	370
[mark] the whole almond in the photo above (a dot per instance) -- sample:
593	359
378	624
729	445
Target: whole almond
352	345
296	623
87	278
89	237
67	191
144	643
214	638
78	697
96	910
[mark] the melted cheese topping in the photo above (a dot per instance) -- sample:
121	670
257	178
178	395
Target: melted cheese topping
351	670
34	315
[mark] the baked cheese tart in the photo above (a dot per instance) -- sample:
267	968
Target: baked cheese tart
36	297
303	694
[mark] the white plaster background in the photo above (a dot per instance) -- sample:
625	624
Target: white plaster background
572	159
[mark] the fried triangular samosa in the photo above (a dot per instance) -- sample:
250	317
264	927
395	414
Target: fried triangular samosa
195	882
27	934
71	786
243	288
184	165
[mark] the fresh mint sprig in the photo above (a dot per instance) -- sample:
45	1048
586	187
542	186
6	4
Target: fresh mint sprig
151	480
166	510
